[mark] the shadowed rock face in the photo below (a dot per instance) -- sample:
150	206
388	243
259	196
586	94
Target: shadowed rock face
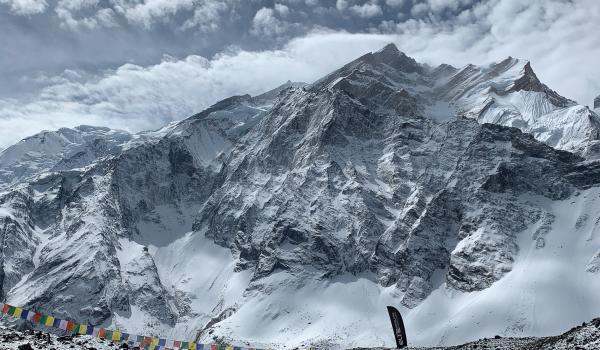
597	102
353	193
413	177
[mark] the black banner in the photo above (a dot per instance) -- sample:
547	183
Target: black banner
398	326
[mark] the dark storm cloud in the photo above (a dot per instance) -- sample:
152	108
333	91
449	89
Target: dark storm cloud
138	64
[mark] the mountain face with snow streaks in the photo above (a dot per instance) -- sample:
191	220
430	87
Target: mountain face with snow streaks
293	217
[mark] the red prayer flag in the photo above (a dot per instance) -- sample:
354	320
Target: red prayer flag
5	308
70	326
37	317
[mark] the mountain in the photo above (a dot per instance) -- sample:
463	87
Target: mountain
59	150
505	93
597	103
468	197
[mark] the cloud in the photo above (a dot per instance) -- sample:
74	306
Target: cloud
270	24
265	23
207	16
367	10
25	7
67	10
341	4
148	12
282	10
395	3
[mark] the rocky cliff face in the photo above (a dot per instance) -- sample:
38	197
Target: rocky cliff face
291	218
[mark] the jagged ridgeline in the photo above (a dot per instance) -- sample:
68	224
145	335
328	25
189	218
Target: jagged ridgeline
467	196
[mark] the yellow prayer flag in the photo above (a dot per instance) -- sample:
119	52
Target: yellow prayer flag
154	342
18	312
82	329
192	346
116	335
49	321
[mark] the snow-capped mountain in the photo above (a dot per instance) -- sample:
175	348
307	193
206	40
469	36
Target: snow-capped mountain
60	150
467	196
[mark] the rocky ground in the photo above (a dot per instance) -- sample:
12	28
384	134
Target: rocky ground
584	337
28	340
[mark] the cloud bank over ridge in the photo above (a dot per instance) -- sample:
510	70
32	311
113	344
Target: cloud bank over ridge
143	79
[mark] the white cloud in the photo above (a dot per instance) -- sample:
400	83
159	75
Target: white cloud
419	9
439	6
147	12
203	15
207	16
341	4
267	24
282	10
367	10
67	11
25	7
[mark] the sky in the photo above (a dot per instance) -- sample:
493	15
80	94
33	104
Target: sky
140	64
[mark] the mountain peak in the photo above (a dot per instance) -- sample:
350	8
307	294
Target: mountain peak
527	80
392	56
390	48
271	94
597	102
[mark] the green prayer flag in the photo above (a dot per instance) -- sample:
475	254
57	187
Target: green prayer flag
11	310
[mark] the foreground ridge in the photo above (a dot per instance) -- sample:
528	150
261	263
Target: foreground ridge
151	342
584	337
